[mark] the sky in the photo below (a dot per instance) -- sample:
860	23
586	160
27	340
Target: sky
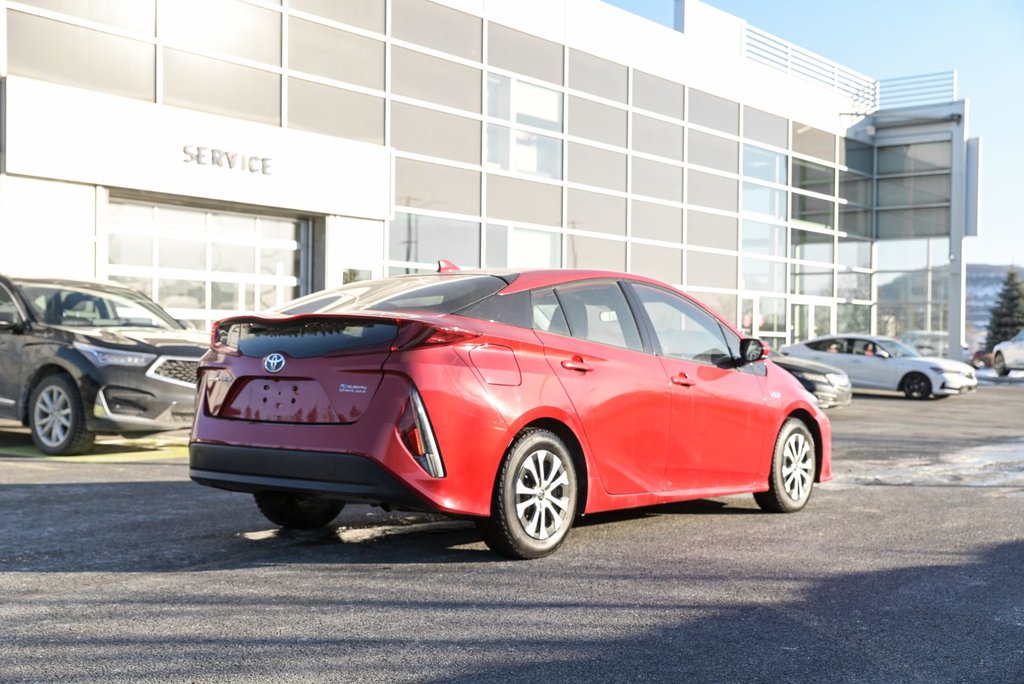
982	40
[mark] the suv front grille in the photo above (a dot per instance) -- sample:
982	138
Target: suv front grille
180	371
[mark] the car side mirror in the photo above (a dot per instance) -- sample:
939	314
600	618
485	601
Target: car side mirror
11	327
752	350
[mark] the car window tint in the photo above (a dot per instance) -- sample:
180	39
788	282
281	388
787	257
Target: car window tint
547	313
511	309
8	310
830	344
94	306
683	330
598	312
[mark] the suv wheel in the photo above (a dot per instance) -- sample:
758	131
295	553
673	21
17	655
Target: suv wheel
57	417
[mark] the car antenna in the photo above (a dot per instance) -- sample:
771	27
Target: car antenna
445	266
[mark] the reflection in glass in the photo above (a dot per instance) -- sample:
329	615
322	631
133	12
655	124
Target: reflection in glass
759	199
853	318
813	210
810	246
814	177
414	237
760	274
538	107
933	156
764	238
764	164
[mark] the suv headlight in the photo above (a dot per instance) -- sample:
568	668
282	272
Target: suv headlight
104	356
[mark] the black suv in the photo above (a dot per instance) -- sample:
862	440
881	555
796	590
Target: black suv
79	359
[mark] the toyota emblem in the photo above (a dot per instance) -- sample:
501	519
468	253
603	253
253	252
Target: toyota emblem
273	363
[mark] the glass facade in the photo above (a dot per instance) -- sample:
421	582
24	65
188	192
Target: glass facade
513	150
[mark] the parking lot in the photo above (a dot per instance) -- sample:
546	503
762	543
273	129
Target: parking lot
905	568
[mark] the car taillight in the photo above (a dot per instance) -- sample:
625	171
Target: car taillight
220	339
418	436
415	335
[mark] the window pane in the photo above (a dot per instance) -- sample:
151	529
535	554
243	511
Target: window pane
813	210
524	54
657	222
712	191
596	212
855	189
334	111
914	158
904	255
765	127
137	16
928	222
538	107
854	253
429	239
714	112
857	156
441	188
232	258
538	155
811	246
764	164
597	76
853	318
229	26
534	249
855	222
710	270
589	252
710	230
766	276
657	94
499	146
53	51
652	136
764	238
758	199
808	280
658	262
367	14
814	177
130	250
854	286
813	142
424	77
710	150
188	254
657	180
438	27
521	200
913	190
722	304
338	55
595	166
497	246
588	119
599	313
218	87
499	97
425	131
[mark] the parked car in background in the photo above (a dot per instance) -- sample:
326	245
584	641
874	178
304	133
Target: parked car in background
882	363
933	343
79	359
829	385
981	359
521	400
1009	355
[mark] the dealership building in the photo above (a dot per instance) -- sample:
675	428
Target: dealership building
228	155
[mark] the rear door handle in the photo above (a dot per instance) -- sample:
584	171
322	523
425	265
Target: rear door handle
576	364
682	379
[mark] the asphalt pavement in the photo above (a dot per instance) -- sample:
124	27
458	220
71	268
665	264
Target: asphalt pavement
906	568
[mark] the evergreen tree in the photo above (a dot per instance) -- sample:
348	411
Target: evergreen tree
1007	317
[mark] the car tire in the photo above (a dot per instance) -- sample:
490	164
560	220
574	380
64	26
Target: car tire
999	365
791	478
535	497
916	386
56	417
297	511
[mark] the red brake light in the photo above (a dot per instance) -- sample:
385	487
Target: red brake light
219	337
412	336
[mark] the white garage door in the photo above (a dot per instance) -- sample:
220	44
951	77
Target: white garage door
202	265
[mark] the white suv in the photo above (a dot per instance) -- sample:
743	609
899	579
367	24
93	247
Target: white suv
1009	355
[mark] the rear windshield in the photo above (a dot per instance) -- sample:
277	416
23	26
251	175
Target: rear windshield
438	294
308	338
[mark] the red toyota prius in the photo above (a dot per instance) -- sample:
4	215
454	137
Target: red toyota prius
521	400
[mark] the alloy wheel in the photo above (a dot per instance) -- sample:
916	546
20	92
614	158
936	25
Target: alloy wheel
797	465
542	497
52	416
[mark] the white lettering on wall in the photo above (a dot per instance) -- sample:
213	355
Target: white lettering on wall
225	159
